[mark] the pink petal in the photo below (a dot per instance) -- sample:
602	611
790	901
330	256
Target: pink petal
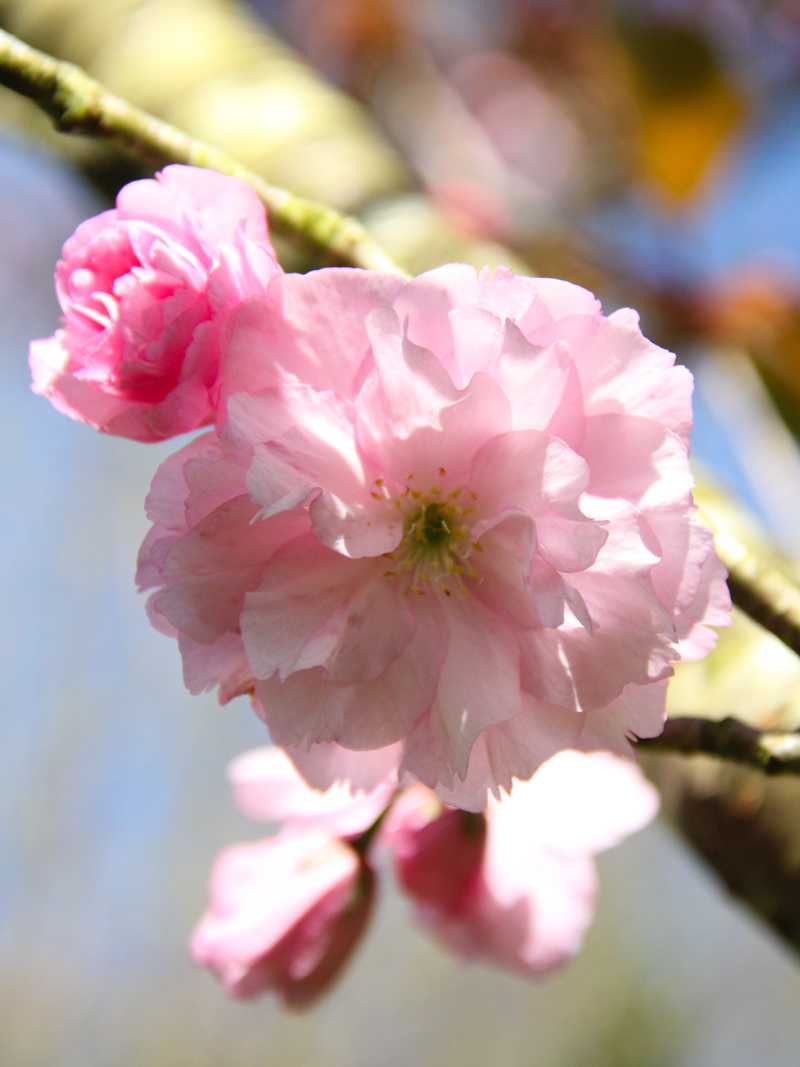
312	325
513	750
639	711
164	504
591	801
314	608
621	371
478	687
274	907
544	387
212	567
411	417
710	607
638	460
267	786
324	765
370	714
221	664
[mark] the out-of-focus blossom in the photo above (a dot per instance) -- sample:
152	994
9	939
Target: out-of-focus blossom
286	913
144	289
517	886
448	524
266	786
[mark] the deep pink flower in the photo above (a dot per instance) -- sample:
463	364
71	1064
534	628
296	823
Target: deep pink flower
448	523
143	289
517	886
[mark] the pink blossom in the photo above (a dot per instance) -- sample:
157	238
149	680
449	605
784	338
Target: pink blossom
517	886
144	289
285	915
266	786
447	528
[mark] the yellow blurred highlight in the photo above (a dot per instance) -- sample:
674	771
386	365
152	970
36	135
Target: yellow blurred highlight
681	138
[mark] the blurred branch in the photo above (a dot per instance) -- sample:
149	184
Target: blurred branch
771	753
762	591
78	104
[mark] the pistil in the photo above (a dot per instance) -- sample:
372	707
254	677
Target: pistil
436	543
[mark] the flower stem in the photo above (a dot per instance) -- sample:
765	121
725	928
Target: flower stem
362	843
770	752
78	104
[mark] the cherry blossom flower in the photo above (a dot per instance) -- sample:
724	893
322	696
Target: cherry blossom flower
447	525
517	886
286	913
144	289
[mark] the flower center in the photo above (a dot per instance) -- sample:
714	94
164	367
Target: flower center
436	541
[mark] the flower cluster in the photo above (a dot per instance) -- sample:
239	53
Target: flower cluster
286	913
441	532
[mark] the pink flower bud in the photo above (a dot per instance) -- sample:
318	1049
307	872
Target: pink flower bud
144	289
285	915
439	863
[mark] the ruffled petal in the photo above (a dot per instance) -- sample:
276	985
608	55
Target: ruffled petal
210	569
369	714
314	608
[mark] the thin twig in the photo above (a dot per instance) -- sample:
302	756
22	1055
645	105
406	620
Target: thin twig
770	752
78	104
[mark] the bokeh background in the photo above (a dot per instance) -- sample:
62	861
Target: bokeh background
648	150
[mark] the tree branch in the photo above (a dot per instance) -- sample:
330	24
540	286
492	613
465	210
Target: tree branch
730	739
78	104
762	591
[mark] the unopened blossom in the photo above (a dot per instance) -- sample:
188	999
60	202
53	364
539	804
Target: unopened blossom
286	913
446	528
144	289
517	886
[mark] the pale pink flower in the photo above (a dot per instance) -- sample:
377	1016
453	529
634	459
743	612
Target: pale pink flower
447	528
143	289
517	886
266	786
286	913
